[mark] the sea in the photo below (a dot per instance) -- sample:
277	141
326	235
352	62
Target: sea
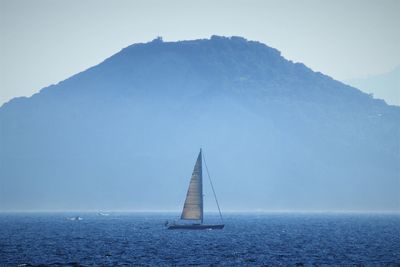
248	239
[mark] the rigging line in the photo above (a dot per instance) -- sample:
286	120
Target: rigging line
212	187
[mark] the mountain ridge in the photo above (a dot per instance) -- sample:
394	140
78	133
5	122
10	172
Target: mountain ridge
159	42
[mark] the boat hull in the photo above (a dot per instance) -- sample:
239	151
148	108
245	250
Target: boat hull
195	226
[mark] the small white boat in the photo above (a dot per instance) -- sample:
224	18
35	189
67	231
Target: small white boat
76	218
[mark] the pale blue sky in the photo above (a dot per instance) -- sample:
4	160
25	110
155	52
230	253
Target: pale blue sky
45	41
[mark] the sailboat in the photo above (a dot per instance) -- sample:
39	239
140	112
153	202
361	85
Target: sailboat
192	211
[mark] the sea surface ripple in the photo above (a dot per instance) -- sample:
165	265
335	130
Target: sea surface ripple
267	239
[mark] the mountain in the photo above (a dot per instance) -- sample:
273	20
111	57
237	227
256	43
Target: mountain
125	134
385	86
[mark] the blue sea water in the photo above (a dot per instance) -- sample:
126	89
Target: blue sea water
269	239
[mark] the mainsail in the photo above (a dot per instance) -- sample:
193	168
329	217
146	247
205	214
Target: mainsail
193	207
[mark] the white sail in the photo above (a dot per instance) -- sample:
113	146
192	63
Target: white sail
193	207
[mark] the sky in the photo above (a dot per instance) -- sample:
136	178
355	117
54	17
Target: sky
45	41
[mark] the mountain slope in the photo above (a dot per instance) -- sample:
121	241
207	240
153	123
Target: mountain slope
124	134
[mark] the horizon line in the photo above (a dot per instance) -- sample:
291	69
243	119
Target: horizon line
206	211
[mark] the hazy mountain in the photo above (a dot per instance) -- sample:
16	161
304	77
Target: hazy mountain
385	86
125	134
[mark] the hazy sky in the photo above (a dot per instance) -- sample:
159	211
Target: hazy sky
45	41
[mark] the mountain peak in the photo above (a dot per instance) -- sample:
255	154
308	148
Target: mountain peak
220	64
